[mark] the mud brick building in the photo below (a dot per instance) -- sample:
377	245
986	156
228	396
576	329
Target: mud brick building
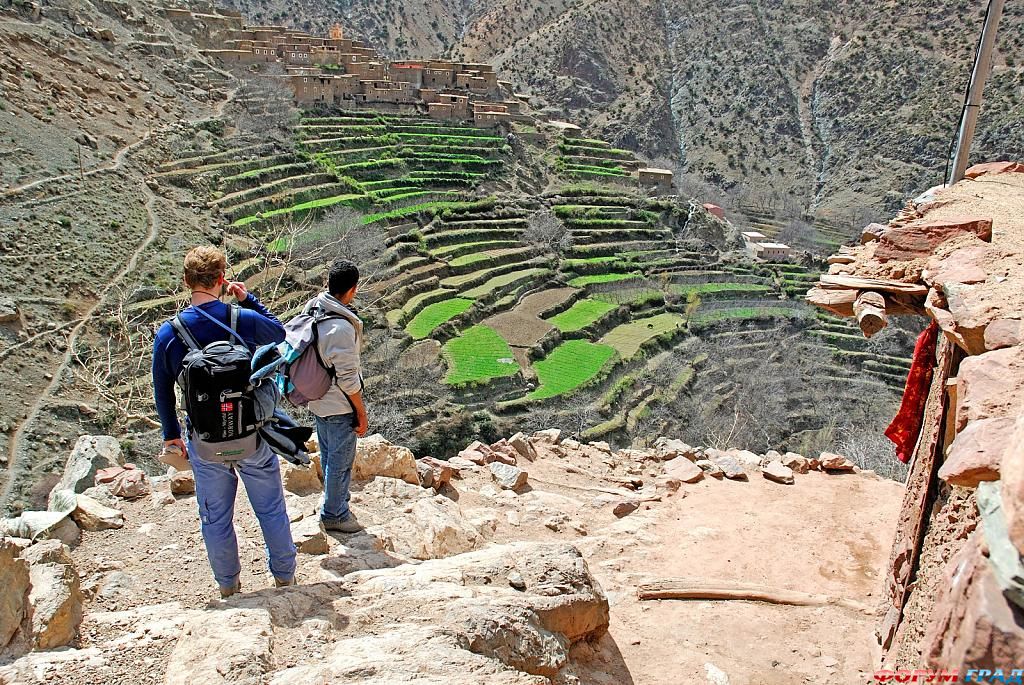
335	70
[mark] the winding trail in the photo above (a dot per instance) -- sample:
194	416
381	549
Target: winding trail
120	155
14	465
14	469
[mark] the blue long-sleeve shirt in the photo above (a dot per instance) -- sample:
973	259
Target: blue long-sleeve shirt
256	326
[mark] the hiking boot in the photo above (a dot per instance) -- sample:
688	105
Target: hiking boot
226	592
349	525
280	582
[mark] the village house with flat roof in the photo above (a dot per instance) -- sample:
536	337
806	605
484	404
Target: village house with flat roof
333	70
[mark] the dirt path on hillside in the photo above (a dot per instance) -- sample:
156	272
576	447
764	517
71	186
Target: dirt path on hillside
14	467
118	160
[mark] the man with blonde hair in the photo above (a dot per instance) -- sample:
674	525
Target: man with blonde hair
221	439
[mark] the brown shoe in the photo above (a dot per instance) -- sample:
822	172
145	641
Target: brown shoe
349	525
226	592
278	582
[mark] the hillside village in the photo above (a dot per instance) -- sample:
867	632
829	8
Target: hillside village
620	430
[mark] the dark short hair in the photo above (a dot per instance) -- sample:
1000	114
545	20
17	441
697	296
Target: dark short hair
342	276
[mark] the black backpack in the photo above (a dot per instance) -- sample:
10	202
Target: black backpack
219	397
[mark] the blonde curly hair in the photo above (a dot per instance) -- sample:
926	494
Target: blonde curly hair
204	267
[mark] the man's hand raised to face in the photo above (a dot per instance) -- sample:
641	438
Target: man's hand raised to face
237	290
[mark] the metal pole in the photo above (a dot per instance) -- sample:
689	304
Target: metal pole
982	67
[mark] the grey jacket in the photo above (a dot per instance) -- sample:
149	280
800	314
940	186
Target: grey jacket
339	342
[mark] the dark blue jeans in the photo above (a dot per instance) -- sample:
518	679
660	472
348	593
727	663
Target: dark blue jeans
337	453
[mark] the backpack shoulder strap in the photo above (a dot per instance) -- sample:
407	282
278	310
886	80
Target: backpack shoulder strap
234	323
183	333
235	309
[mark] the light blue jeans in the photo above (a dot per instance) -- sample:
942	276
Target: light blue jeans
337	453
216	486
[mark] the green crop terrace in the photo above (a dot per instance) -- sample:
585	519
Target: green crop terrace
459	284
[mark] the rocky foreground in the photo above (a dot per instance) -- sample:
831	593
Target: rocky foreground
516	562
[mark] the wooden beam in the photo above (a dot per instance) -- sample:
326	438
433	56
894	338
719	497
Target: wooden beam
838	302
684	588
869	307
839	282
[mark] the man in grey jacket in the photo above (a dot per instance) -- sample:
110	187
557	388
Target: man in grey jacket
340	414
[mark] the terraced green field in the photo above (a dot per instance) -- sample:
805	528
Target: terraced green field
628	338
581	281
479	354
433	315
466	308
580	315
569	366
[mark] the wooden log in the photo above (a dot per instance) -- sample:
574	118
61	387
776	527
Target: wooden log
838	302
840	281
869	308
685	588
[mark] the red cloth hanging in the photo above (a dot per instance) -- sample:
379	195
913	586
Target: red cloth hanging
906	426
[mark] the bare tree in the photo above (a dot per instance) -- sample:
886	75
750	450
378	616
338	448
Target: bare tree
692	305
544	229
116	368
267	106
339	234
800	234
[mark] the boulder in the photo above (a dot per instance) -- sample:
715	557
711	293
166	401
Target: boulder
309	536
433	473
130	483
42	525
711	468
973	625
746	458
56	599
473	456
1002	333
203	655
776	472
92	516
90	454
434	527
551	436
503	452
458	465
183	483
837	463
976	170
976	452
522	445
796	462
1012	486
990	385
161	498
300	480
625	508
48	552
668	449
375	457
8	314
14	600
731	468
920	238
508	477
685	470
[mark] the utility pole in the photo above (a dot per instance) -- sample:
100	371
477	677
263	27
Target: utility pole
982	67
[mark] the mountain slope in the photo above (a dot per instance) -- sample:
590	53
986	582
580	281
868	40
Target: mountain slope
838	104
